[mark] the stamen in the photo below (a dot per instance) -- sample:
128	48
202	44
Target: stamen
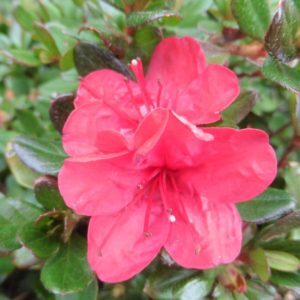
148	209
136	104
159	92
172	218
137	68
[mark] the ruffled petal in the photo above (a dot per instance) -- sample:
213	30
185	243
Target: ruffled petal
204	98
236	166
118	249
165	139
103	185
210	236
88	126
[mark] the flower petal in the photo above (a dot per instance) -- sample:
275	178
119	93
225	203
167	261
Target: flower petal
203	100
212	236
86	127
236	166
164	139
103	185
118	249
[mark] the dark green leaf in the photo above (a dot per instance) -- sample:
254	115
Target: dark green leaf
280	40
45	37
239	109
60	109
270	205
6	267
89	57
287	279
29	122
39	239
45	157
170	283
67	270
89	293
252	16
139	18
281	227
47	193
14	214
290	246
284	75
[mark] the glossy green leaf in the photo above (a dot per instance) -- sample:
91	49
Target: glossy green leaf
39	239
282	261
280	40
284	245
281	227
252	16
284	75
24	175
287	279
45	157
67	270
89	57
45	37
14	214
270	205
139	18
47	193
170	283
60	109
89	293
259	263
239	109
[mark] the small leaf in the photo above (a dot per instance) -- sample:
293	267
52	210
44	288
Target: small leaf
39	239
89	293
45	157
281	227
252	16
23	57
67	60
260	290
290	246
89	57
139	18
268	206
287	279
14	214
24	17
259	263
239	109
47	193
67	270
6	267
60	109
282	261
22	173
284	75
280	40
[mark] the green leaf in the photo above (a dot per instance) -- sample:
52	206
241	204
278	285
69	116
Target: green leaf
260	290
39	239
170	283
259	263
67	270
24	17
24	258
14	214
22	173
282	261
284	75
139	18
89	57
281	227
29	122
290	246
45	37
287	279
6	267
67	60
24	57
60	109
45	157
280	40
47	193
89	293
239	109
252	16
268	206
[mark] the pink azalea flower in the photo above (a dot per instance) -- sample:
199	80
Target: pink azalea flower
149	176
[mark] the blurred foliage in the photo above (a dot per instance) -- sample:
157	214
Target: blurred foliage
46	45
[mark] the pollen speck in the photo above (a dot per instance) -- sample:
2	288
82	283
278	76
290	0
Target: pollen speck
172	218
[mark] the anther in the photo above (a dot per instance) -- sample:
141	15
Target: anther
172	218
